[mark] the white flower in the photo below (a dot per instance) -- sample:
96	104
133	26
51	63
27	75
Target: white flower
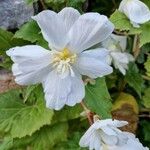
136	11
116	45
133	143
69	34
105	135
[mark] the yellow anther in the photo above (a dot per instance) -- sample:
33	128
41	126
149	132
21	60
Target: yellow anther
65	55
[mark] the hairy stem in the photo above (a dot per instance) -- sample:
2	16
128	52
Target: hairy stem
88	113
136	47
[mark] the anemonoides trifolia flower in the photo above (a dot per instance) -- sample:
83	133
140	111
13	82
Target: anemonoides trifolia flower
69	35
105	135
136	11
116	45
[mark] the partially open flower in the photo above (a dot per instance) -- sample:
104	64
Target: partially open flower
104	134
69	35
116	45
136	11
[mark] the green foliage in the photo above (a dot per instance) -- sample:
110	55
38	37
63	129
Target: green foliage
146	98
67	113
122	23
7	41
45	138
134	78
147	66
31	32
144	133
29	2
60	4
97	96
144	36
19	118
71	144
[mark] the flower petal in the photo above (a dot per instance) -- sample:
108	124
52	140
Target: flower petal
69	15
86	138
31	64
53	29
136	10
115	43
34	77
98	53
61	91
109	139
92	66
88	30
77	91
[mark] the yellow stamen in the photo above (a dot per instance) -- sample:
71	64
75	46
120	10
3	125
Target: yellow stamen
66	55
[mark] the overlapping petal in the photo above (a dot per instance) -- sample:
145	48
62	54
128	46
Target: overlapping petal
69	16
31	64
58	91
52	28
104	134
88	30
116	45
92	64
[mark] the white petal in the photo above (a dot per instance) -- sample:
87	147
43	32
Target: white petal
61	91
31	52
92	66
115	43
121	40
108	130
119	57
69	15
32	64
87	137
77	91
109	139
88	30
37	76
135	10
98	53
53	29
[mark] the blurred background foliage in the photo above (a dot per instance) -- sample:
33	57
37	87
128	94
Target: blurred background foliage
25	123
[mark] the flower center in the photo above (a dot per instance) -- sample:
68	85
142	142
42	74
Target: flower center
63	60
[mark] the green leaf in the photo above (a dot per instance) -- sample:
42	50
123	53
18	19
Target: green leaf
29	31
44	139
28	92
122	23
146	128
147	66
146	98
144	36
21	119
6	144
67	113
134	78
71	144
7	41
98	99
29	2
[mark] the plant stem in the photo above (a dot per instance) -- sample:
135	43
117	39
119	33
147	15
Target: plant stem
146	77
136	47
43	4
88	113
